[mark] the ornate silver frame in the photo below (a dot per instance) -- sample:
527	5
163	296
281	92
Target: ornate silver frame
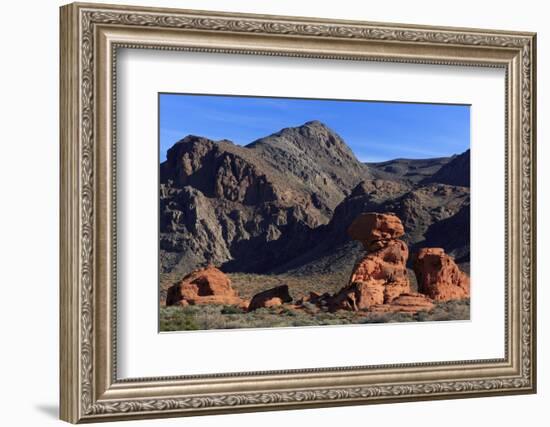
90	36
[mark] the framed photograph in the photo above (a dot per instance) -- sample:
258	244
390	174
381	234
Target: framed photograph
267	212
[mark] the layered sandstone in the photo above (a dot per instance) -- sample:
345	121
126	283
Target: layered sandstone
439	277
406	303
370	228
381	275
204	286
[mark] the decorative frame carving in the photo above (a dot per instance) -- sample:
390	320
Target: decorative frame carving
90	36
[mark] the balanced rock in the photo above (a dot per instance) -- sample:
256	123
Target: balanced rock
381	275
439	277
205	286
270	298
369	228
378	278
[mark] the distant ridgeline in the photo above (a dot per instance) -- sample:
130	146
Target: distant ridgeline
283	203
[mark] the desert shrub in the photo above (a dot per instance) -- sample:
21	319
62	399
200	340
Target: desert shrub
309	306
287	311
374	318
400	317
395	317
304	322
231	309
451	310
422	316
177	319
238	323
201	317
210	317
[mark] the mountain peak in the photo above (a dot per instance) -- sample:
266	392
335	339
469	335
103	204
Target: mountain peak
313	141
315	123
186	144
312	133
192	138
315	126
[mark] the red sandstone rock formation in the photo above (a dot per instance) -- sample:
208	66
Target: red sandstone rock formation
357	296
406	303
270	298
439	277
381	275
205	286
369	228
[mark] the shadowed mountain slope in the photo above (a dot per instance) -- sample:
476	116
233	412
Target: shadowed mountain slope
246	207
455	172
283	203
411	170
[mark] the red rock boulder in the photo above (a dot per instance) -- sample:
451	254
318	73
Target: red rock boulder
205	286
358	296
381	275
405	303
270	298
369	228
439	277
378	278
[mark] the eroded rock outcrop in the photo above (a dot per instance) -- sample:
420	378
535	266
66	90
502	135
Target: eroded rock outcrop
439	277
406	303
371	228
270	298
205	286
381	275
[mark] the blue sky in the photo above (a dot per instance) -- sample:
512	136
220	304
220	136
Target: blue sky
375	131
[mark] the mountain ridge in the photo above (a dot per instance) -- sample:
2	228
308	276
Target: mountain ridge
286	199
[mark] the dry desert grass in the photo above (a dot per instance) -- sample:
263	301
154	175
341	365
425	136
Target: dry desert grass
202	317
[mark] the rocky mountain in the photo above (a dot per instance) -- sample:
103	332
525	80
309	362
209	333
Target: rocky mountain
409	170
283	203
246	207
455	172
433	215
316	158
